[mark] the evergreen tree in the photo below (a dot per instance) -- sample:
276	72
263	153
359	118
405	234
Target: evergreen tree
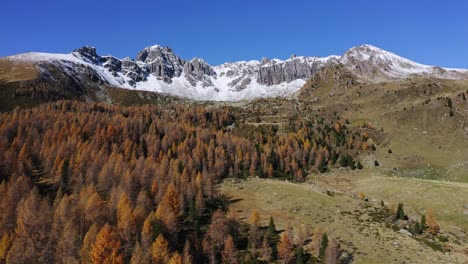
400	214
272	236
343	161
416	228
64	179
323	246
423	223
299	255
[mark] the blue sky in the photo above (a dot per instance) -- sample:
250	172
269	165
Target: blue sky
430	32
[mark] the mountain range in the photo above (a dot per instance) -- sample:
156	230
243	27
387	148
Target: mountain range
158	69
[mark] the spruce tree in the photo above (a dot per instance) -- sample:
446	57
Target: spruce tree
423	223
343	161
323	246
299	255
273	237
400	214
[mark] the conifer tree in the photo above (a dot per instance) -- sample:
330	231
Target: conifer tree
299	255
106	249
229	254
160	250
400	214
176	258
431	223
285	249
323	246
423	223
266	251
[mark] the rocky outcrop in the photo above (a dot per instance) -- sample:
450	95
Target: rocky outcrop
198	68
113	64
273	72
240	84
161	62
131	69
88	53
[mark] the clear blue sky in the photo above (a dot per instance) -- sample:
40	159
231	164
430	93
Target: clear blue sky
430	32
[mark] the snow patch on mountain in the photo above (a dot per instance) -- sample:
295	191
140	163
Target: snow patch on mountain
158	69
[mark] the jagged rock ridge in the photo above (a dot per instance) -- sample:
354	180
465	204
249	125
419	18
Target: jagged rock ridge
159	69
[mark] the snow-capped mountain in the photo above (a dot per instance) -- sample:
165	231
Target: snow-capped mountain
159	69
374	64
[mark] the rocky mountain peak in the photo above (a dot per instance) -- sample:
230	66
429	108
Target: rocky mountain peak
156	52
88	53
161	61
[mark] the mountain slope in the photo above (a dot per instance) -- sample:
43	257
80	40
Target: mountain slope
159	69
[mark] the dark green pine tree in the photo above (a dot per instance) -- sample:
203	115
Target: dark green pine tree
144	148
344	161
323	247
416	230
299	255
193	213
323	166
400	214
273	237
423	223
334	157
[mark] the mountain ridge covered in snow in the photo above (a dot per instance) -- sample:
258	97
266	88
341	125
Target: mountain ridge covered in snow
159	69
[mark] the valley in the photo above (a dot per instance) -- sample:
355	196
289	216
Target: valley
304	153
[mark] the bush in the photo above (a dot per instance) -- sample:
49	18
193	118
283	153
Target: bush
359	165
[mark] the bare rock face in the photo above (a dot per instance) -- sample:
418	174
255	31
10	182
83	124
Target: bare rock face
88	53
131	69
198	67
273	72
161	62
111	63
198	70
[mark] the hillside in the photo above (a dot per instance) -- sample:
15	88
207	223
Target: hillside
159	152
